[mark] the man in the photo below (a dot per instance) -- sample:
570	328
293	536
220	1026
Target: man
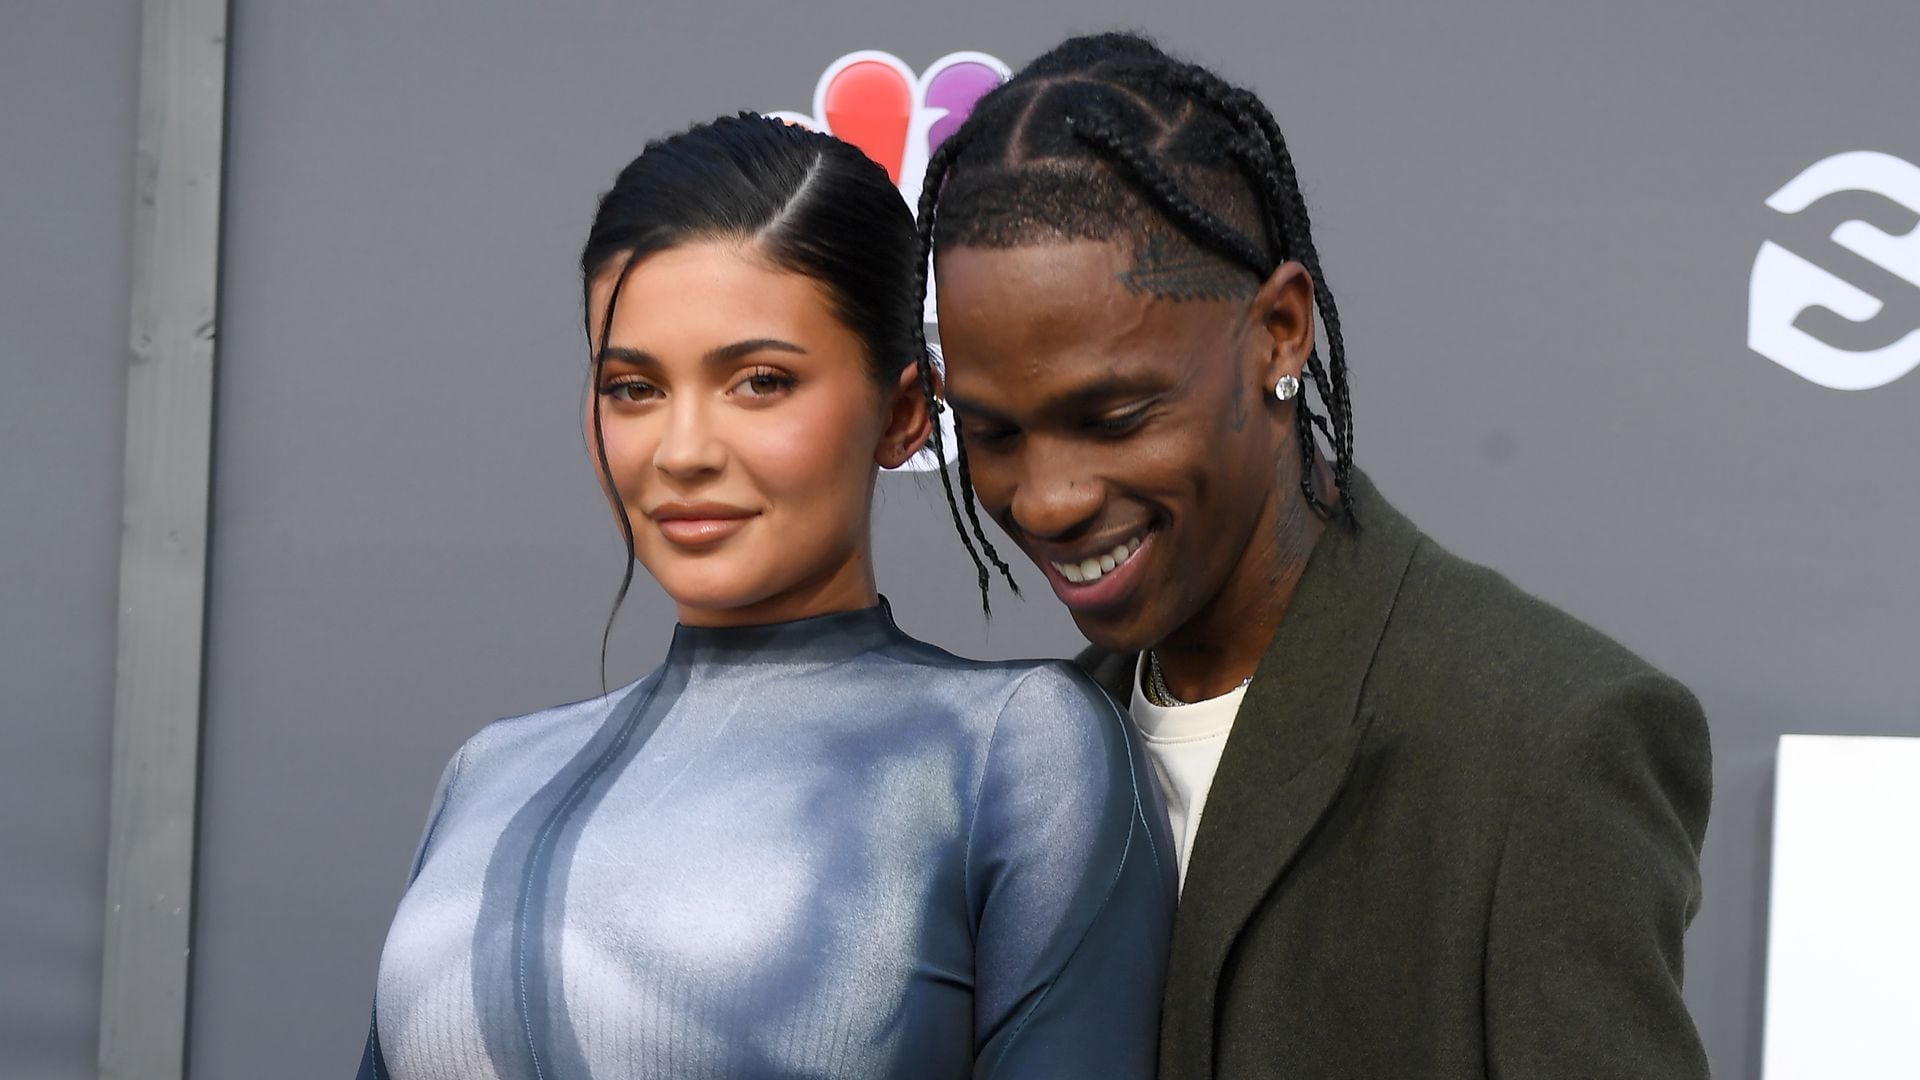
1428	826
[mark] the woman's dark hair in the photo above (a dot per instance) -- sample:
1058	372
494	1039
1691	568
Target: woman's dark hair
1107	137
806	202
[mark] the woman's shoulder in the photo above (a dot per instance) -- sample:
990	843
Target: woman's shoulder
1058	687
1056	725
939	663
1066	781
1018	692
572	722
1043	710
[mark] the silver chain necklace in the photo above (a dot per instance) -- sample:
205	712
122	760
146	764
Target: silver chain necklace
1157	691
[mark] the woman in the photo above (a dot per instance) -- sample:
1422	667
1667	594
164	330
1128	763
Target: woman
807	844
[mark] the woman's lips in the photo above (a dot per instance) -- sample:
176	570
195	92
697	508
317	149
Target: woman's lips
696	531
699	524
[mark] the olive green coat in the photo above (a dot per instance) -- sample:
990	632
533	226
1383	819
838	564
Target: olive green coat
1455	833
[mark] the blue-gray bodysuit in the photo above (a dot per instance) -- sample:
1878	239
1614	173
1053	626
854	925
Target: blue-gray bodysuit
814	849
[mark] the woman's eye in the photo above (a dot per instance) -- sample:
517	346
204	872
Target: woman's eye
632	390
763	384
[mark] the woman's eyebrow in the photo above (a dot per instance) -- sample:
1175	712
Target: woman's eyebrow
621	354
725	354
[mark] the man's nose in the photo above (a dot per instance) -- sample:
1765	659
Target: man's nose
1058	498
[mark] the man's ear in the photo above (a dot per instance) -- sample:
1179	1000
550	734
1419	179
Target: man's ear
1284	306
909	424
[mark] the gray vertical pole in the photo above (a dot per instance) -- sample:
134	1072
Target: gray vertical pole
163	554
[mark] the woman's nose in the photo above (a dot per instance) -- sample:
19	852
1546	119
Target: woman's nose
689	446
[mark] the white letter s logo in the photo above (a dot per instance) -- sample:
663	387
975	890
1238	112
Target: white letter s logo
1784	285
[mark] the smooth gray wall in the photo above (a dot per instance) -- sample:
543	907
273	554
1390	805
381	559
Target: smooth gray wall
1538	218
67	81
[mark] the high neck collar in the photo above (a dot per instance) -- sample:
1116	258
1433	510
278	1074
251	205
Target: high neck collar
825	638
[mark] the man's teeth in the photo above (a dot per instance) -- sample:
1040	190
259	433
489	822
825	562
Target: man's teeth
1091	570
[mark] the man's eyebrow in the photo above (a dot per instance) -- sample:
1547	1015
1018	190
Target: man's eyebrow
1102	390
725	354
1076	400
964	405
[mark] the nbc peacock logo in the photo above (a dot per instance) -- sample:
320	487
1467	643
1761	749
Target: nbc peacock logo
876	102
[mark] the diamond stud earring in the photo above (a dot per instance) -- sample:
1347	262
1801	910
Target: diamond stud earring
1286	388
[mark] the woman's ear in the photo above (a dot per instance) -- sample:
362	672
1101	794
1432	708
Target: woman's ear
909	423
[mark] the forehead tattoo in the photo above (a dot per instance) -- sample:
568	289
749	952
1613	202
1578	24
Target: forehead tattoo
1173	269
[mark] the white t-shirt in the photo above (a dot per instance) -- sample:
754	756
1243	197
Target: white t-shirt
1184	742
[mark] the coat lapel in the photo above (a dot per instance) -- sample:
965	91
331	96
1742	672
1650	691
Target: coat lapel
1291	750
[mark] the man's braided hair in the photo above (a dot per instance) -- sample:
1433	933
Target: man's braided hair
1106	137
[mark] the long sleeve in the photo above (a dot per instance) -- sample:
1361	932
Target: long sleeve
372	1066
1070	876
814	848
1598	880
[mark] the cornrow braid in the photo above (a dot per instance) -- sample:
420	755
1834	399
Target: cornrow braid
1197	221
1257	164
1246	111
596	371
1202	226
1105	135
937	167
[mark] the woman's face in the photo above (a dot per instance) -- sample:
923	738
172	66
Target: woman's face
742	427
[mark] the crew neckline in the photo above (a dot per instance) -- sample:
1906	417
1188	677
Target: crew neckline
1195	720
815	638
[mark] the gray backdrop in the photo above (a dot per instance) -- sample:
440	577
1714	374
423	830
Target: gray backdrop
67	87
1539	220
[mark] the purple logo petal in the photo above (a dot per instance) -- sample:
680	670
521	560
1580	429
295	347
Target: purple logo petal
956	89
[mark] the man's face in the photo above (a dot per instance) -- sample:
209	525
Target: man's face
1121	438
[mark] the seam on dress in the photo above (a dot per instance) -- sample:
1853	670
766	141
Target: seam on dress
1137	815
572	798
973	820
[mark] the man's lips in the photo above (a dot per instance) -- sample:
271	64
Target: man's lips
1098	581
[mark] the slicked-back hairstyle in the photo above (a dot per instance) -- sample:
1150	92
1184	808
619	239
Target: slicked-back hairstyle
1107	137
805	202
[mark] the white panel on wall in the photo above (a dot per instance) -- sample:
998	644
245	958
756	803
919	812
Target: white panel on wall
1843	946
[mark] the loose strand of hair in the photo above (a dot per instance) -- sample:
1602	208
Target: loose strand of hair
934	408
973	516
598	368
1303	418
937	167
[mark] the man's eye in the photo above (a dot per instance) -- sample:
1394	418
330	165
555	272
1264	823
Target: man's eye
991	438
1120	423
